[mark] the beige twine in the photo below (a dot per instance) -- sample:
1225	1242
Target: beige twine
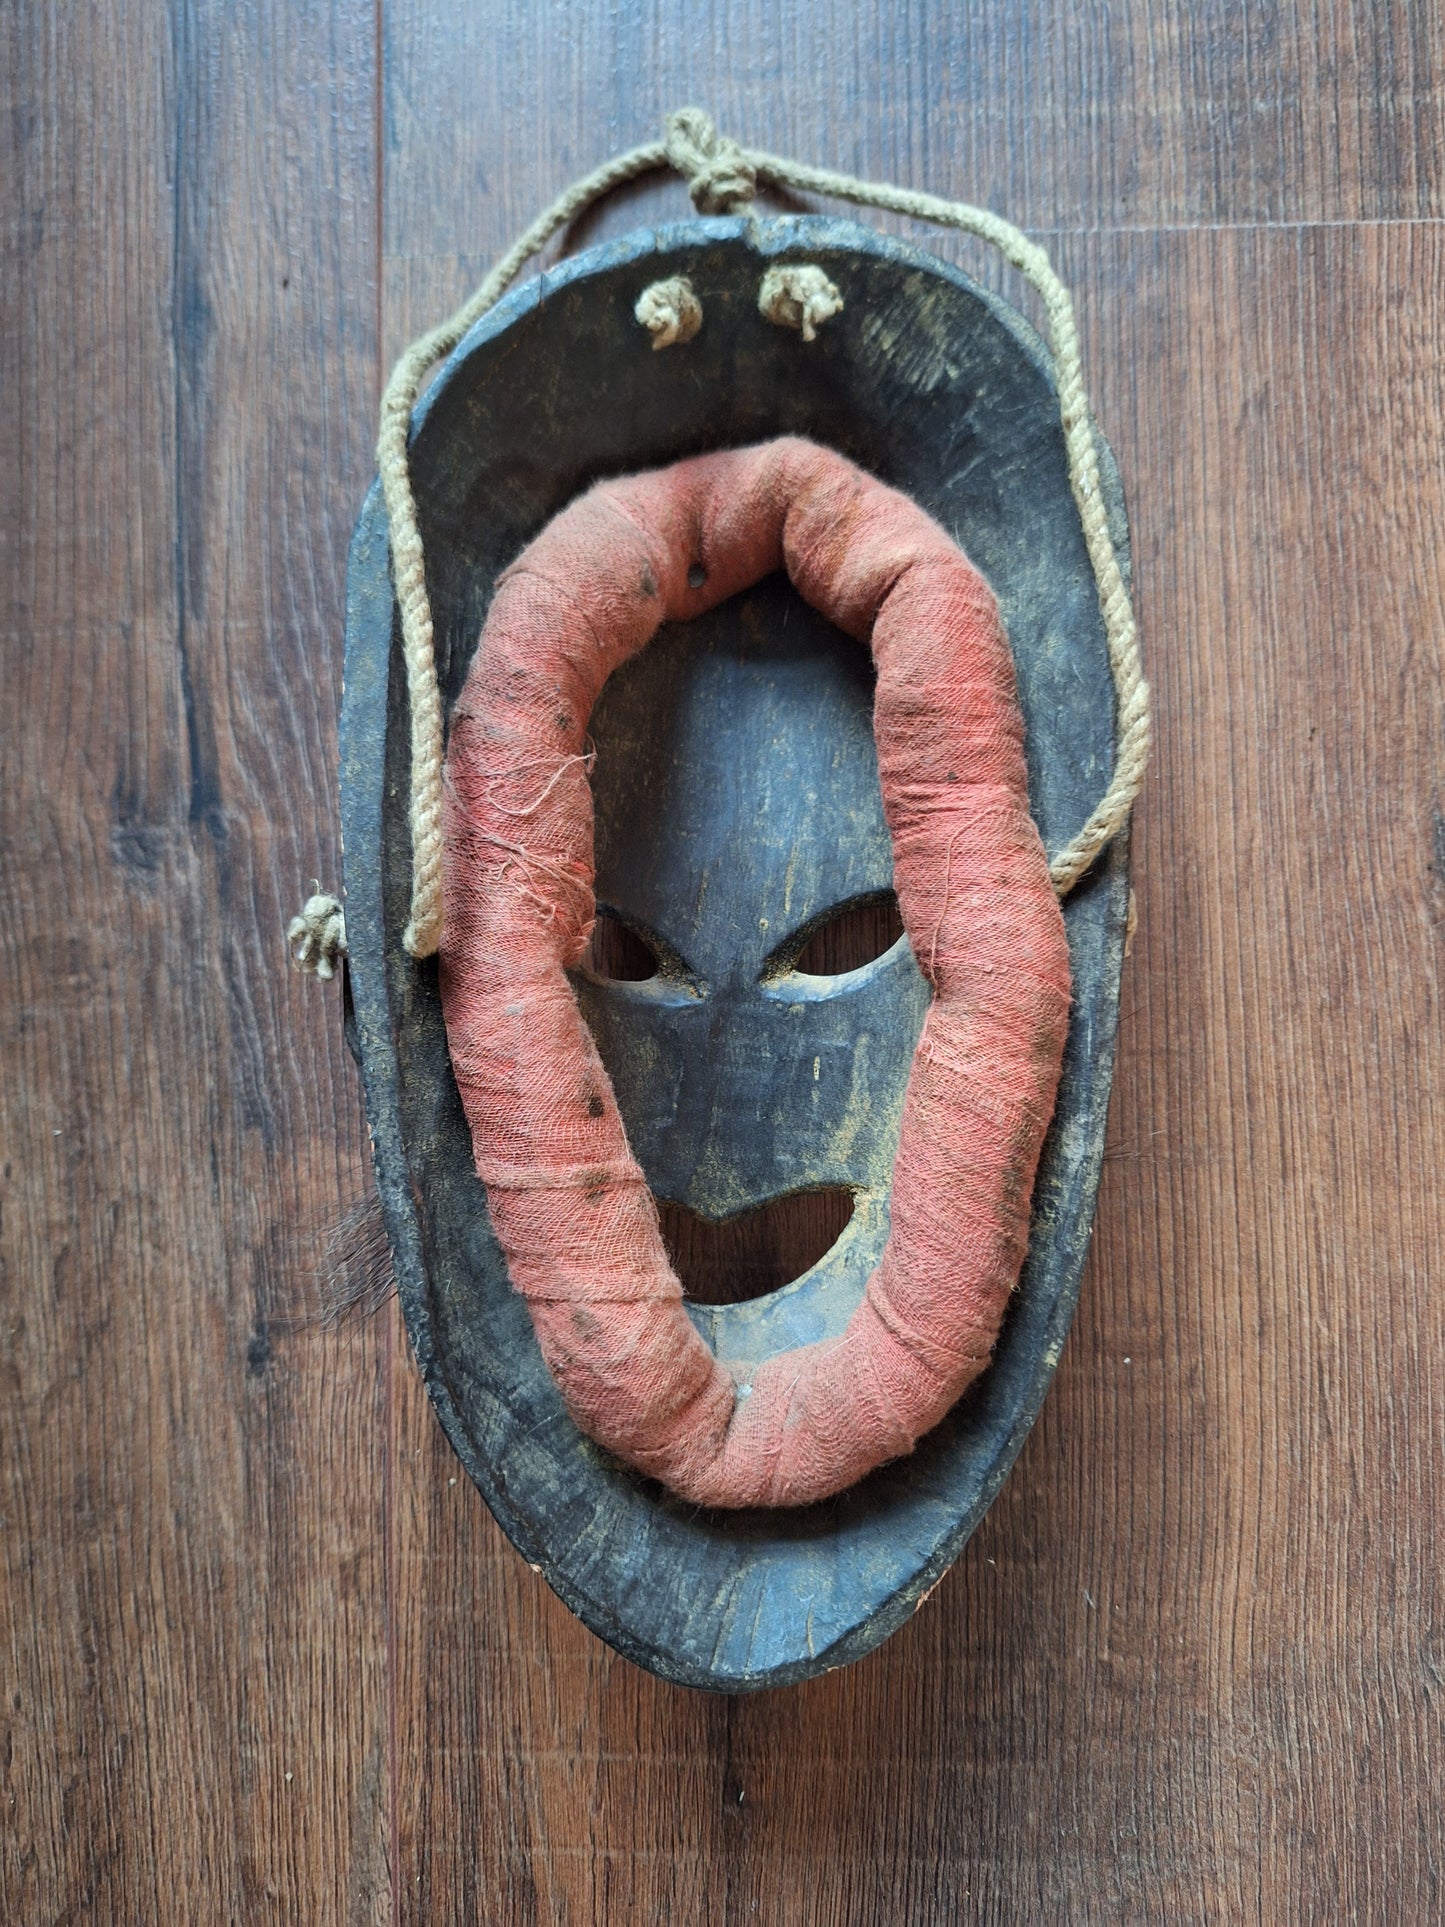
317	936
670	311
722	178
798	295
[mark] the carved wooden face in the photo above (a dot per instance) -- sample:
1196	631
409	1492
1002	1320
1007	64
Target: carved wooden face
934	387
739	828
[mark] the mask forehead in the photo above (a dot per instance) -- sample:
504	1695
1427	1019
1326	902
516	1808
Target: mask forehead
737	802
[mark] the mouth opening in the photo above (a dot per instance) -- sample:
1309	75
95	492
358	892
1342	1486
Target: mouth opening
758	1251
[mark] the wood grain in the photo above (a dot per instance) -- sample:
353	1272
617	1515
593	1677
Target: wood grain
1191	1666
1138	114
193	1474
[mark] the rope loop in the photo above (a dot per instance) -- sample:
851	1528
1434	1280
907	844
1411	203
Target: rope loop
722	178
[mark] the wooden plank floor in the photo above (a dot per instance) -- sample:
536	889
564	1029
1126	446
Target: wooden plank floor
265	1656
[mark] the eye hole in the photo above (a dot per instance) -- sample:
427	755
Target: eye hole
617	952
847	937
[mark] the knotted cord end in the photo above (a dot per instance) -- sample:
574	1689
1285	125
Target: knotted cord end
798	295
670	311
720	177
317	935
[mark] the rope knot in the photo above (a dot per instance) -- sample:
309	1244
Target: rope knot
720	177
317	935
799	295
670	311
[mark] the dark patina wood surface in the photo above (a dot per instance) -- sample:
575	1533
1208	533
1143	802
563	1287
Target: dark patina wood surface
1190	1665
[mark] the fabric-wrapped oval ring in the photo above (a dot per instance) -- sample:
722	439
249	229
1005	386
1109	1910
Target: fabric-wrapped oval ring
569	1203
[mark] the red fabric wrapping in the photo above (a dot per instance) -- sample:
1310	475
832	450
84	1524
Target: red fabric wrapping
570	1206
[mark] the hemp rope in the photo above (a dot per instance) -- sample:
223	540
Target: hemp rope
798	295
722	178
670	311
317	935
